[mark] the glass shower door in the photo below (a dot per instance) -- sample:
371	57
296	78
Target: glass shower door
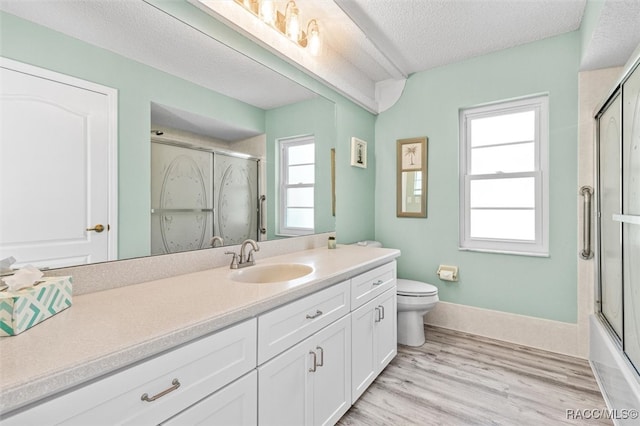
610	254
181	199
631	216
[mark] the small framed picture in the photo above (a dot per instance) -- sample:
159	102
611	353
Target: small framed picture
358	153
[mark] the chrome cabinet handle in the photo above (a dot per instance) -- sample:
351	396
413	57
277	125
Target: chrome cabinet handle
316	315
315	362
176	385
378	317
378	282
381	312
321	363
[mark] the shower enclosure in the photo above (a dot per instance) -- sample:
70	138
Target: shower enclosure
196	194
618	247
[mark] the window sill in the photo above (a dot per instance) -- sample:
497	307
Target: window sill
516	253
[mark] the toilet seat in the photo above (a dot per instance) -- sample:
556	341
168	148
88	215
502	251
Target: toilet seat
415	288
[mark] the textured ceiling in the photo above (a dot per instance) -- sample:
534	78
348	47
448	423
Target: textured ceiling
139	31
419	35
615	37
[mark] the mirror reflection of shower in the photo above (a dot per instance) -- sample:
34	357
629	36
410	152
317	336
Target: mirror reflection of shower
203	185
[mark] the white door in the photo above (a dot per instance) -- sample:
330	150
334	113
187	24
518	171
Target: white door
283	396
386	329
364	365
332	378
57	145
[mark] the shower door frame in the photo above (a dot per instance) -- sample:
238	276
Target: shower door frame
619	341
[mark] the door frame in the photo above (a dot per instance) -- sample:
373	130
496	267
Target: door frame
112	137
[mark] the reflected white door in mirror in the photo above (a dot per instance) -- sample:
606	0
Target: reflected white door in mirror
57	211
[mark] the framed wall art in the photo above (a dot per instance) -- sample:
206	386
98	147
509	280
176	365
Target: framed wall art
358	153
411	177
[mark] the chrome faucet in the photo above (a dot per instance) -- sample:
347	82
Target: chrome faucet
212	241
242	260
248	259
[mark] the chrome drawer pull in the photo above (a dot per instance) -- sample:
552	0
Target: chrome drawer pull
381	312
378	282
321	363
315	364
316	315
176	385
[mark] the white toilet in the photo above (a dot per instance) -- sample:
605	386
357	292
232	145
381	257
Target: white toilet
415	299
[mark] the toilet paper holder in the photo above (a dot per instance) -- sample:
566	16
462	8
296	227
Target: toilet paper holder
448	273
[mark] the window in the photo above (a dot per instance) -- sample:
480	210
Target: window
297	178
503	177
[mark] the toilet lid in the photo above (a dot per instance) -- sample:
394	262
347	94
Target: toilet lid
415	288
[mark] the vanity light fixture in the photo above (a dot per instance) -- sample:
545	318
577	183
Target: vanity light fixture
292	21
313	37
288	24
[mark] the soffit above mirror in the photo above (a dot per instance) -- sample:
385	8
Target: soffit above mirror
137	30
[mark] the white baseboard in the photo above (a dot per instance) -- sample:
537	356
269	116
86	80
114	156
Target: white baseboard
554	336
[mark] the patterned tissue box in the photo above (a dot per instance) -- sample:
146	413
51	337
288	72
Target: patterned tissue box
22	309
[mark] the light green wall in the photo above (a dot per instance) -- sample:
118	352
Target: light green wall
314	117
137	85
538	287
355	192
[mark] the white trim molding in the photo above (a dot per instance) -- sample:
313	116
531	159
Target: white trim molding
549	335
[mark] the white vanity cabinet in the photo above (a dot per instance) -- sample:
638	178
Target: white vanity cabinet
156	389
308	384
374	326
235	404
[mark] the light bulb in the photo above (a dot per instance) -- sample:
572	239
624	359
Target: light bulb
292	21
267	11
313	37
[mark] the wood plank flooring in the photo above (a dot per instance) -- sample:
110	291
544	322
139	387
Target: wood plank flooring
461	379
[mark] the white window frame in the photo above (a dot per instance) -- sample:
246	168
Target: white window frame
283	144
540	246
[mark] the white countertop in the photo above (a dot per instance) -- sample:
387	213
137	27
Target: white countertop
108	330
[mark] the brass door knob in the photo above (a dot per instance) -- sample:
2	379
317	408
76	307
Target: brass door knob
98	228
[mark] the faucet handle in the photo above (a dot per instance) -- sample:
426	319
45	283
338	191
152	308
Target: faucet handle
234	259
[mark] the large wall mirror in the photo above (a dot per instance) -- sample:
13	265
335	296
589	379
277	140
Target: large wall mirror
177	86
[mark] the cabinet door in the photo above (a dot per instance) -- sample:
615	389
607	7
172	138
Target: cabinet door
374	342
386	330
236	404
332	379
363	365
283	398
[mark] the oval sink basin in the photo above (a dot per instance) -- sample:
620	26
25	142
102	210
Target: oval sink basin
272	273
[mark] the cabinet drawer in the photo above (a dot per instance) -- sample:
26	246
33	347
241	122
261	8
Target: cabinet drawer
368	285
200	367
285	326
236	404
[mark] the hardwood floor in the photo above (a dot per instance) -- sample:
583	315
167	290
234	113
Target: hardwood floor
461	379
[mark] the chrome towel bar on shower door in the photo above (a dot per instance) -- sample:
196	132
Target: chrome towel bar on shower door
587	193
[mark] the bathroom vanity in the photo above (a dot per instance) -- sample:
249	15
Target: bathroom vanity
206	346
